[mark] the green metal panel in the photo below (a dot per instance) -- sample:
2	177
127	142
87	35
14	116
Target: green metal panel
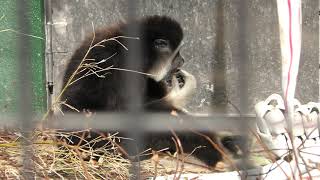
8	55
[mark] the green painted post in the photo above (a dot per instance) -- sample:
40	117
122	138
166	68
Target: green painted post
8	55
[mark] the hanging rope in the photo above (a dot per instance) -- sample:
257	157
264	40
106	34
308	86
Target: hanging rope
289	13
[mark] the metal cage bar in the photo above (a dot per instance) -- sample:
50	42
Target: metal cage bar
25	89
131	86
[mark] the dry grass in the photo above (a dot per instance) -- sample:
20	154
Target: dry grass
64	161
55	159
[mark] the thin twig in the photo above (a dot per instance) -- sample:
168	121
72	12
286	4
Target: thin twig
269	153
218	148
179	149
295	153
17	32
177	159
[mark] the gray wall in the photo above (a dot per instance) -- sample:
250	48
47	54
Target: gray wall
258	44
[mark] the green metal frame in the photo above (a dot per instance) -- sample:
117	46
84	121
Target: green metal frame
8	55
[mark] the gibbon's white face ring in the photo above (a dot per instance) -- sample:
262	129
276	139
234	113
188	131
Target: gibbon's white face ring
179	96
160	70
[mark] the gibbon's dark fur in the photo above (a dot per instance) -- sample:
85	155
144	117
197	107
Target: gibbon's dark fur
96	94
101	94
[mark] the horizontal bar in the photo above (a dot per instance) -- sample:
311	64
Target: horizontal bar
149	122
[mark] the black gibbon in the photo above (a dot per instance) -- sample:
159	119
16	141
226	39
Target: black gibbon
164	85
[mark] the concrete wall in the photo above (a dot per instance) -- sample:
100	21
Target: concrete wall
250	34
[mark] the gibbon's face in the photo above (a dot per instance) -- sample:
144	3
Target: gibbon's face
166	69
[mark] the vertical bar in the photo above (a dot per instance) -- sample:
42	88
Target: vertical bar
133	84
25	88
243	56
49	53
219	97
243	69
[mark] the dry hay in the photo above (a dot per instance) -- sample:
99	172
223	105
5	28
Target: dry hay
53	161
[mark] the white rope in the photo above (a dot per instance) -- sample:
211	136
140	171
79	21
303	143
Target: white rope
289	14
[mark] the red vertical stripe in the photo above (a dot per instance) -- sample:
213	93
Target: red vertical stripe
291	52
